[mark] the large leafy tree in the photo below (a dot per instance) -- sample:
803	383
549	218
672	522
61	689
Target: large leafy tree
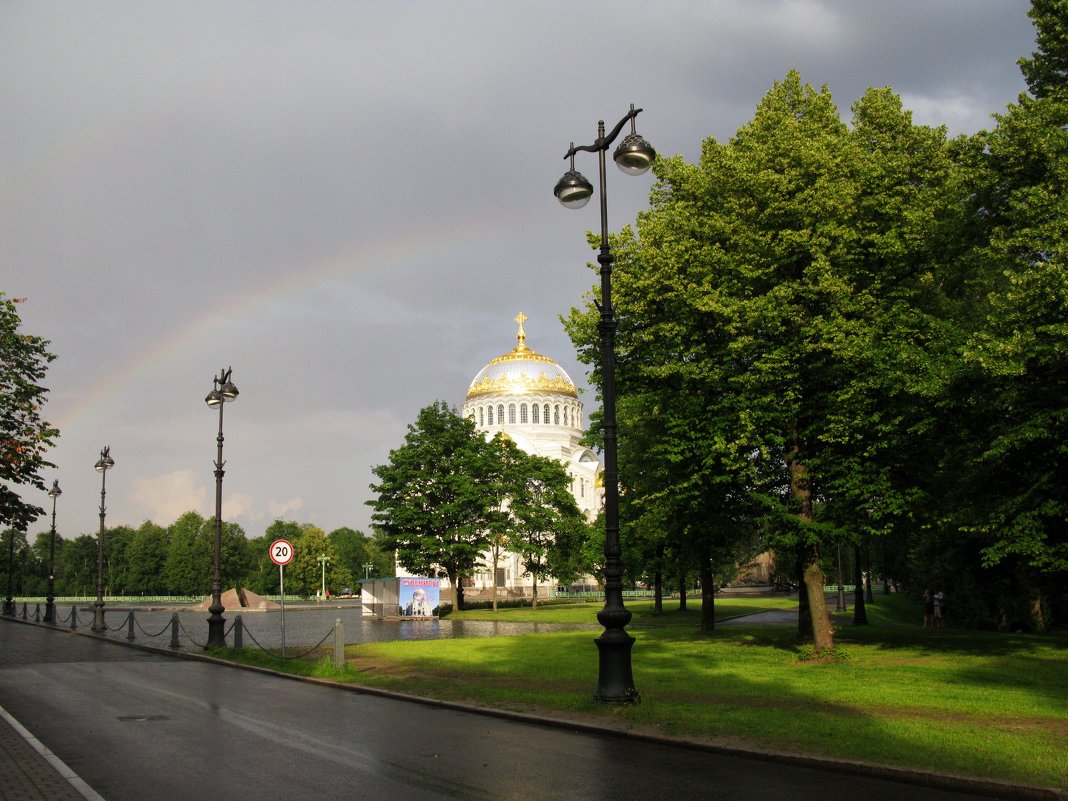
24	435
433	503
778	312
543	513
1022	344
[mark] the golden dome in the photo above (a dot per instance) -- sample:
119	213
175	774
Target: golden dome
522	372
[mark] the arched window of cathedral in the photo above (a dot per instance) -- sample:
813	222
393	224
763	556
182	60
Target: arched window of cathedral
565	415
500	414
546	414
537	413
522	413
511	414
556	414
582	488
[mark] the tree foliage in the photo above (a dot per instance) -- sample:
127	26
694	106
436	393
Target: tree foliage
433	504
24	434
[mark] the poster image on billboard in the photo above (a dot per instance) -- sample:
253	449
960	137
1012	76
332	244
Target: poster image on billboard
419	597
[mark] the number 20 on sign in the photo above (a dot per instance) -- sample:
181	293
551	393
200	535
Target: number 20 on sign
282	554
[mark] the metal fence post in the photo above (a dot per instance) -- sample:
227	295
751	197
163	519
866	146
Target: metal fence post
239	633
174	630
37	614
73	617
339	643
24	615
130	628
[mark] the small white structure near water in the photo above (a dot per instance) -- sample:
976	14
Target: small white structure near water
404	598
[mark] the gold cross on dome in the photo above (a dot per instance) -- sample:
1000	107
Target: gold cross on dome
522	335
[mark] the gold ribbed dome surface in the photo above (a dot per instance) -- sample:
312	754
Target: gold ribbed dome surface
522	372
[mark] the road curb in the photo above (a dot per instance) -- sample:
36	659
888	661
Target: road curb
989	788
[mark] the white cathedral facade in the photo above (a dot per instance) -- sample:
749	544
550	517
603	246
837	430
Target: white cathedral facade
531	399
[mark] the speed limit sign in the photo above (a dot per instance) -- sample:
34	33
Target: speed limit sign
281	552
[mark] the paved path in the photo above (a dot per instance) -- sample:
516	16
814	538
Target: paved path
137	725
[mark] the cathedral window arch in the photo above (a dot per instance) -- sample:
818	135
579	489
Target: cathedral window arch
511	414
490	415
523	413
500	414
565	416
536	412
556	414
546	414
482	416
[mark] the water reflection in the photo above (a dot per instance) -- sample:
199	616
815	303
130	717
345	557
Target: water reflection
305	626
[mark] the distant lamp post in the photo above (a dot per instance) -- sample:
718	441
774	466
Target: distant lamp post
50	601
223	391
633	156
322	561
367	570
103	464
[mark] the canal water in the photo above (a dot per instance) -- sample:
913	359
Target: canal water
305	626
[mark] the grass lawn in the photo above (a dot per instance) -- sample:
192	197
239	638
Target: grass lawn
971	703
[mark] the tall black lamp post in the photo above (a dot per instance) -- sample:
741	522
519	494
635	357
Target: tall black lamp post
50	601
634	156
103	464
223	391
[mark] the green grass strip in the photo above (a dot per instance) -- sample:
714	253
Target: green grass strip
970	703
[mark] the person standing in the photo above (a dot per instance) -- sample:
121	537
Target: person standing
939	610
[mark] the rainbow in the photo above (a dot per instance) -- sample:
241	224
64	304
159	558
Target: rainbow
405	246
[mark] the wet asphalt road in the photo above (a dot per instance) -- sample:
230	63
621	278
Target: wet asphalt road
138	725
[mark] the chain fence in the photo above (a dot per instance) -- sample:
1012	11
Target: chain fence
178	630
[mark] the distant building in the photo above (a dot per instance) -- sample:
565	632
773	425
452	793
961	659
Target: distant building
532	400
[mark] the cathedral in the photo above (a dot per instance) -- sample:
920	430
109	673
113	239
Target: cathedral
531	399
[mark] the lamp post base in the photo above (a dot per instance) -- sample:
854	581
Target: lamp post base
216	627
615	681
50	610
98	618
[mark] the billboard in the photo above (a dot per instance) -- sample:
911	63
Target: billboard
419	597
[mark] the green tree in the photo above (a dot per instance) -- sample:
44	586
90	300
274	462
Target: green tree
306	571
76	563
184	566
24	434
779	312
433	505
147	553
1021	347
542	510
353	551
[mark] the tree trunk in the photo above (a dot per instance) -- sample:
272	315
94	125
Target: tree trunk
804	616
708	597
822	633
457	589
496	557
534	598
1038	619
869	596
860	614
658	581
682	594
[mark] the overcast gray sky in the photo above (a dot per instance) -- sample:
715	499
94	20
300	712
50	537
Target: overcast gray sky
348	202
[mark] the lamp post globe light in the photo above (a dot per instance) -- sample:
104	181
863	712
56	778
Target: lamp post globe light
50	601
223	391
103	464
633	156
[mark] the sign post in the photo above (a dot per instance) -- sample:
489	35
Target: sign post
282	554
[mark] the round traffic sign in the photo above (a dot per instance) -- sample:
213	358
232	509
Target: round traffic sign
281	552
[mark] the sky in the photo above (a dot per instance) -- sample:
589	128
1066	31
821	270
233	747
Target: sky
349	202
